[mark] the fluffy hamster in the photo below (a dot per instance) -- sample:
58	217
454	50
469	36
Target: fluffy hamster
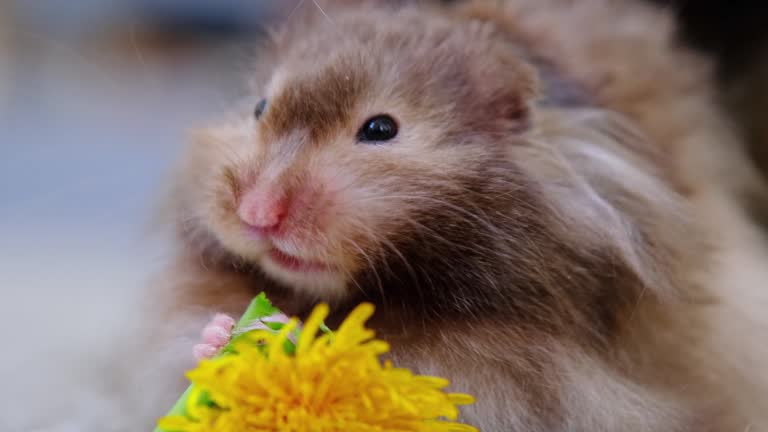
540	197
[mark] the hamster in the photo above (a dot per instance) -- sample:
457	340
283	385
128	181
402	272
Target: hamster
540	197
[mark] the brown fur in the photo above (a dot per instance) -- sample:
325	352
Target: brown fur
540	231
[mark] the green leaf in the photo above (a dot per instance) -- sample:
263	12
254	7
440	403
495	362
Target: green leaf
260	307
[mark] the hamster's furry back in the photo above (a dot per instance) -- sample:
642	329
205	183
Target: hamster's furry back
630	56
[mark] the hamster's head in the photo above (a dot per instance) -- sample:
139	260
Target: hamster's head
361	133
397	150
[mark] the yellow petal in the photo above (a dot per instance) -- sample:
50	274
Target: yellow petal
276	345
175	424
461	399
311	327
333	382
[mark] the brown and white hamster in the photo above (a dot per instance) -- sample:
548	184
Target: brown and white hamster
540	197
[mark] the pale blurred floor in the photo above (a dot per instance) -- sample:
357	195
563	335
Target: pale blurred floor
86	137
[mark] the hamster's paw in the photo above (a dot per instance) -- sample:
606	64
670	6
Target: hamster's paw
215	335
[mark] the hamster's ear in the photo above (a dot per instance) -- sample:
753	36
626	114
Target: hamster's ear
506	92
502	86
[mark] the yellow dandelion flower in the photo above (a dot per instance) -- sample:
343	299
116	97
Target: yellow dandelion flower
332	381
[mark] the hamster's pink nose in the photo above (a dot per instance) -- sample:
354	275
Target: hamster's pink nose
262	209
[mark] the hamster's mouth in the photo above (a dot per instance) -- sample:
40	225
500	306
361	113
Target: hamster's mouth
298	265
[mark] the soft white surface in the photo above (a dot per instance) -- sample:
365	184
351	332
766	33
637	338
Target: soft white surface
84	146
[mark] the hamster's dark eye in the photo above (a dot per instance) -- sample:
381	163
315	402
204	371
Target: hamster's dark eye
260	107
377	129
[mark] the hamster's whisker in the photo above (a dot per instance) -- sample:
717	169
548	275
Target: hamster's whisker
482	219
231	156
371	264
351	278
323	12
380	241
409	268
295	8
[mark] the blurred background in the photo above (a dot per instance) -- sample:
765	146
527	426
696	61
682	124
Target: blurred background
95	98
